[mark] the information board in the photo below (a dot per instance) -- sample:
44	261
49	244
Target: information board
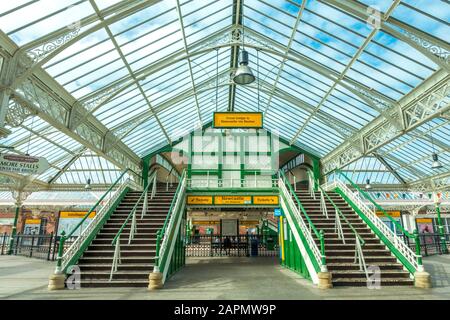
238	120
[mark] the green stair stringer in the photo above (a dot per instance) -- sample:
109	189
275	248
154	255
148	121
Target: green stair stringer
378	233
87	242
312	265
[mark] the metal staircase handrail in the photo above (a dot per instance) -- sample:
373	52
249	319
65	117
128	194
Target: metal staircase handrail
359	241
376	205
288	192
413	260
133	228
65	256
164	241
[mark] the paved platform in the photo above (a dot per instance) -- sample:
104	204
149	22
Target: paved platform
218	278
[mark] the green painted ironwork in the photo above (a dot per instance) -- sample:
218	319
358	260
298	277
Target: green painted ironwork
175	261
14	230
64	237
319	234
411	268
441	229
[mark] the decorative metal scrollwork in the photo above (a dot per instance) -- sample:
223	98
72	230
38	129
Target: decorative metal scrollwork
17	114
441	53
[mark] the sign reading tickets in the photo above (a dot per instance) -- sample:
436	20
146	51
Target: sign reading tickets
199	199
271	200
232	200
238	120
68	220
23	164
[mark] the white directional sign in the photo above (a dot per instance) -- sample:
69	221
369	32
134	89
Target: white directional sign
25	165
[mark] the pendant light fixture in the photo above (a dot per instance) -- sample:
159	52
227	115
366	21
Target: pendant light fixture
244	74
88	185
436	163
368	186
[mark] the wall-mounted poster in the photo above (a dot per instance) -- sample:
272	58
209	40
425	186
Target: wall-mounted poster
425	226
229	227
68	220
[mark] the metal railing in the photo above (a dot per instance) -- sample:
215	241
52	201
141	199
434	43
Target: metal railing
133	227
209	179
359	241
236	246
102	208
39	246
410	259
307	229
165	237
430	243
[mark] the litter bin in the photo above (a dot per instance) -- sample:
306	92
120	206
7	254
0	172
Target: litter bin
254	248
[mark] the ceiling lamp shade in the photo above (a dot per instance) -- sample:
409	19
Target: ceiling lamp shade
368	186
88	185
244	74
436	163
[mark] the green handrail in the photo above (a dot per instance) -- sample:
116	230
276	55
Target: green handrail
118	234
64	236
319	234
161	232
368	197
316	232
415	234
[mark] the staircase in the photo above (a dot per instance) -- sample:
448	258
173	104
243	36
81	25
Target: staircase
137	258
340	257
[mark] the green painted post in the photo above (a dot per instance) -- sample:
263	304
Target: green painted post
316	173
14	229
441	229
418	254
62	240
145	169
158	239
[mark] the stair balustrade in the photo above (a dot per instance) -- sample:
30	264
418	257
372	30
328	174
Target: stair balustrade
133	228
411	260
103	208
167	235
305	231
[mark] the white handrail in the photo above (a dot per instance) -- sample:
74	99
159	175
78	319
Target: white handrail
323	205
301	223
116	260
76	246
396	241
338	227
311	185
359	257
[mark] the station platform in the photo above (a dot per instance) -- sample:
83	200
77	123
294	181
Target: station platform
216	278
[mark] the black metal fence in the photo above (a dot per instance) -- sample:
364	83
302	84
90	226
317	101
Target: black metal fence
237	246
34	246
430	244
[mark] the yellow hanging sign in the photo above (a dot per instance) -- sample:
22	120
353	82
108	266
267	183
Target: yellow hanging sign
270	200
199	200
394	214
232	200
238	120
76	214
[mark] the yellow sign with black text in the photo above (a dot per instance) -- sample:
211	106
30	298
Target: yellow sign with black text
232	200
76	214
270	200
199	200
238	120
393	214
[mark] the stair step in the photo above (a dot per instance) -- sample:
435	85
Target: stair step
114	283
354	274
121	267
362	282
351	266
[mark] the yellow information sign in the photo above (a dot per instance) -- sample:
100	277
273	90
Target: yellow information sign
394	214
232	200
238	120
271	200
424	220
33	221
199	199
75	214
205	222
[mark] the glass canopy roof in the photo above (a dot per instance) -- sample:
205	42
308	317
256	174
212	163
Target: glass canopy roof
161	68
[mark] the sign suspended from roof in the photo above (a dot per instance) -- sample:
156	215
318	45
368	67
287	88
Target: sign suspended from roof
227	120
25	165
